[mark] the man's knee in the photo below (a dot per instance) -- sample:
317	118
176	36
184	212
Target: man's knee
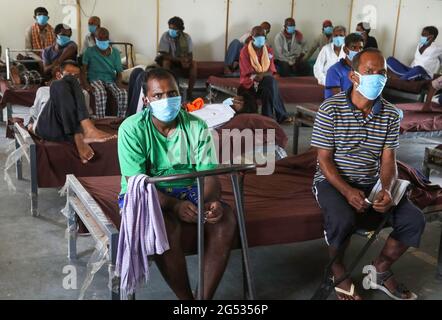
173	227
409	218
227	226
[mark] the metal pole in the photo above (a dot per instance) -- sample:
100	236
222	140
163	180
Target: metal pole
201	220
34	182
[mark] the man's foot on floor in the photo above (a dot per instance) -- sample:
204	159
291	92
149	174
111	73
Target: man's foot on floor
346	289
85	152
97	136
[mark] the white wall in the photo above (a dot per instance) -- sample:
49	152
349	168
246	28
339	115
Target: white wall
136	21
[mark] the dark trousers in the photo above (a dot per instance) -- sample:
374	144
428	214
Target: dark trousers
268	92
233	52
61	116
286	70
341	219
135	88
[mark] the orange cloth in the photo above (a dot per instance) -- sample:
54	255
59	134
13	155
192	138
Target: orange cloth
195	105
36	41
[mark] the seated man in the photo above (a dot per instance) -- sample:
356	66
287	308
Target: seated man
324	38
330	54
146	143
231	62
102	70
63	49
436	85
64	117
363	29
338	79
356	134
41	34
176	53
427	59
290	48
257	80
94	23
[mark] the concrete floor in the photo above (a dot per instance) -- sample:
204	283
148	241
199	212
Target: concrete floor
33	252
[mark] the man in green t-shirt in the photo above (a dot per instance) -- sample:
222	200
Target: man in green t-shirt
162	140
102	70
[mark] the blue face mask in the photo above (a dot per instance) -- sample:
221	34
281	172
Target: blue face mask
173	33
328	30
42	20
102	45
291	29
423	41
63	40
92	28
259	41
371	85
351	54
338	41
166	110
358	33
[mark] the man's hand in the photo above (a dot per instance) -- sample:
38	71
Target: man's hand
355	198
214	212
238	103
187	211
383	201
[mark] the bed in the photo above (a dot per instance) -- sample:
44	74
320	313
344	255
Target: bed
283	201
414	123
412	90
293	90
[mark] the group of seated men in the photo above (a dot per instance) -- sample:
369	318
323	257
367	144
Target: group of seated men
348	167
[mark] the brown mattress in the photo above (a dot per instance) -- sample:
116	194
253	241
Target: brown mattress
210	68
407	86
22	97
417	106
293	90
279	209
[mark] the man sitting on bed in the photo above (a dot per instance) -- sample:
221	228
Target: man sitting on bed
337	79
164	140
64	117
257	71
356	134
436	85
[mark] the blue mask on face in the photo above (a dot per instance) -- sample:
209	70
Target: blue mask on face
102	45
328	30
63	40
42	20
291	29
166	110
371	85
358	33
338	41
423	41
92	28
173	33
259	41
351	54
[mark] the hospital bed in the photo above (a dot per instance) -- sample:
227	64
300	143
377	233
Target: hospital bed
414	123
293	90
279	209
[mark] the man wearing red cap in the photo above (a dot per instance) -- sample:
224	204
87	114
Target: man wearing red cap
321	40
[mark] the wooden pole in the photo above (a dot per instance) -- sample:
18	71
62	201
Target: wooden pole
293	9
79	25
226	43
158	23
350	18
397	26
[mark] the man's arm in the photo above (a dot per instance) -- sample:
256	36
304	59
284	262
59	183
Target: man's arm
328	168
384	199
28	38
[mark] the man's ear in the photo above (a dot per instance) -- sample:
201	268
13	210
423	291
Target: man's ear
145	101
353	78
58	75
346	50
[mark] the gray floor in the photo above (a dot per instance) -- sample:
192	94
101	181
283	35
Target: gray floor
33	252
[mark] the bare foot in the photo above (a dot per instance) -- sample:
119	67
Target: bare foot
346	285
85	152
97	136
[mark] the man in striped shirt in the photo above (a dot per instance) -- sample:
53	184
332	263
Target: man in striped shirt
356	134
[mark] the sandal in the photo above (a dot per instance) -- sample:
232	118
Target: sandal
375	280
288	120
350	293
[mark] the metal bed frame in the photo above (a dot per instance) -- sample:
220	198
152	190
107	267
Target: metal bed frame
128	51
81	204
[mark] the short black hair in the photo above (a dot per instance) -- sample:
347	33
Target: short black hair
353	38
68	62
60	27
177	22
365	26
432	30
41	10
102	30
357	59
156	73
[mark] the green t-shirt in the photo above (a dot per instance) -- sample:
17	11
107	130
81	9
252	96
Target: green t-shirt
142	149
100	67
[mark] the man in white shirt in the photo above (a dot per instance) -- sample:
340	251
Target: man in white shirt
290	49
427	59
231	62
330	54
